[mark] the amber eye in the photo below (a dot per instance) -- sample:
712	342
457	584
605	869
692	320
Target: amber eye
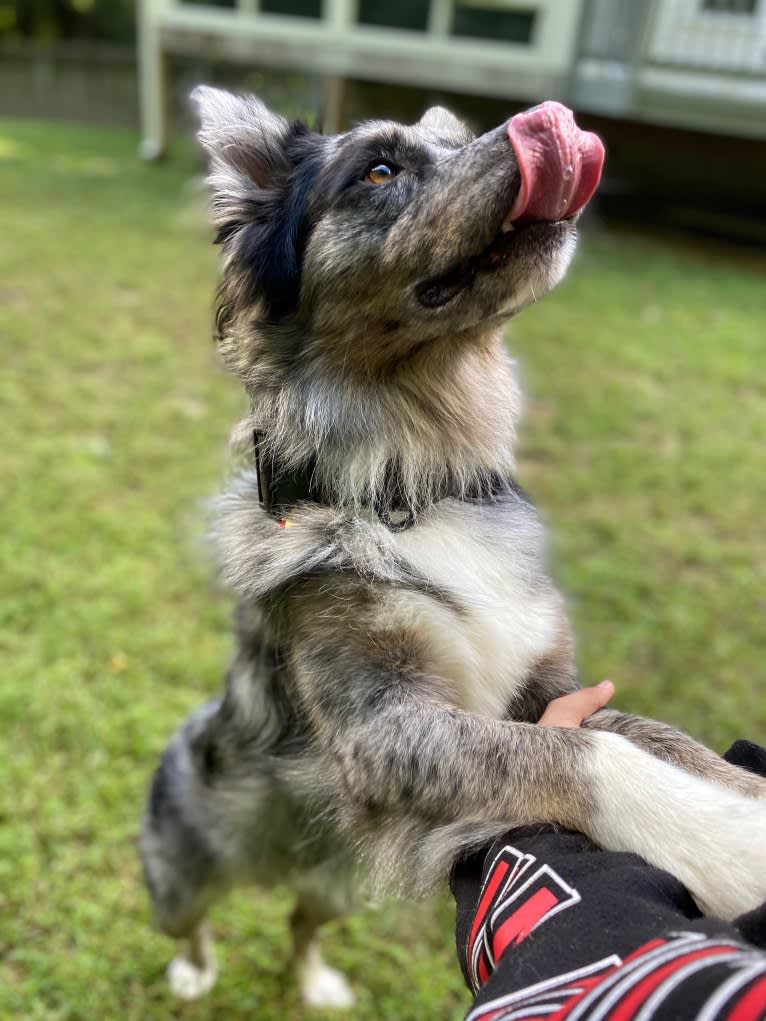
381	173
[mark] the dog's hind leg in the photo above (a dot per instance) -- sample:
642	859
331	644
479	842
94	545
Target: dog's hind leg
193	971
183	866
318	902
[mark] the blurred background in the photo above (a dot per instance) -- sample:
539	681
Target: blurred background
643	440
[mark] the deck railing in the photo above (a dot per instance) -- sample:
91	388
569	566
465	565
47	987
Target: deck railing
694	63
339	44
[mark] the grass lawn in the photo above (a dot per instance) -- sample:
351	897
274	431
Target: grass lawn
644	444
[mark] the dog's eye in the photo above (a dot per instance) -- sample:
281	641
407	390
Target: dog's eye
381	173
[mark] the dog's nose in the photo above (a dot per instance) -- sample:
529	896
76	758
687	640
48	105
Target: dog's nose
560	165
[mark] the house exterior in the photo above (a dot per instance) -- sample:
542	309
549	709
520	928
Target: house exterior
688	63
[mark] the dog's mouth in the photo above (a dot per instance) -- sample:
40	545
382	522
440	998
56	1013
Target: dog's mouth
439	291
559	168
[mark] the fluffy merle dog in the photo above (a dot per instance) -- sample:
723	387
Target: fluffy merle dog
397	634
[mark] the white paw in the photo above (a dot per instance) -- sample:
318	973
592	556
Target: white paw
735	878
322	986
710	838
187	981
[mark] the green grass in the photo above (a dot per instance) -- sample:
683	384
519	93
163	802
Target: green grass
643	442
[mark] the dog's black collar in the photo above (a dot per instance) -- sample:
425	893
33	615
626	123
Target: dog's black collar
280	489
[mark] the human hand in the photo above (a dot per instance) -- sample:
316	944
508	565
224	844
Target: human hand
571	710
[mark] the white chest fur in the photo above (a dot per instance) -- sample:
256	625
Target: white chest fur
505	617
500	617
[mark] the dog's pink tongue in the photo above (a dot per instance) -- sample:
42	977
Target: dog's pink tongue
560	165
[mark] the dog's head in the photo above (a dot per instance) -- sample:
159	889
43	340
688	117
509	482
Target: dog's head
380	240
366	276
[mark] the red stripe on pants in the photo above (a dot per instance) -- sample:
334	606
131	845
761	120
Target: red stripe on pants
522	922
752	1005
481	911
638	996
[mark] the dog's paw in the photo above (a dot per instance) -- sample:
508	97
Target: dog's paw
187	980
731	865
720	853
321	985
710	838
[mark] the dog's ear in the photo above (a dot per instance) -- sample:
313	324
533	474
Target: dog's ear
440	120
261	169
241	135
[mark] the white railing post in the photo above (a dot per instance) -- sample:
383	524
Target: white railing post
248	6
556	33
440	14
339	14
339	17
153	80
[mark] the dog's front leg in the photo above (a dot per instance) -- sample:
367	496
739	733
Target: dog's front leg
674	746
447	766
393	752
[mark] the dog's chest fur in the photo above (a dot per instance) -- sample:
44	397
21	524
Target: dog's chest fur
493	615
468	579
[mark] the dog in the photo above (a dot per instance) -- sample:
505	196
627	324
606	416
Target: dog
397	633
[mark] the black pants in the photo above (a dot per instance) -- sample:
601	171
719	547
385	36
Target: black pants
551	928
